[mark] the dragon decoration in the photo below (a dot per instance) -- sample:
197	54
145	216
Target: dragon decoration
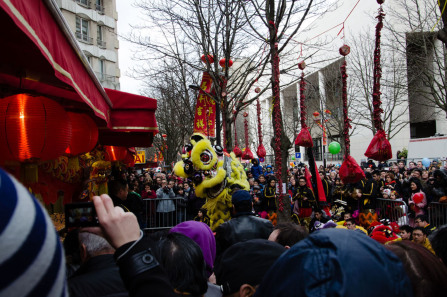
214	174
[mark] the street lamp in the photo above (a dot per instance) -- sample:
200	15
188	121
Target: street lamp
197	88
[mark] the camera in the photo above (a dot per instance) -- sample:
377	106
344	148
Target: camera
80	215
166	189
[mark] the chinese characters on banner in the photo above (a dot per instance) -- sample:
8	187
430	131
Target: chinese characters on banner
205	115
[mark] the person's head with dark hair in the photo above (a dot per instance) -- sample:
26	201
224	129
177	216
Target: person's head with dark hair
336	262
376	175
438	241
244	264
415	185
118	188
183	262
426	272
421	220
287	234
416	173
347	215
406	232
350	224
368	175
241	200
419	235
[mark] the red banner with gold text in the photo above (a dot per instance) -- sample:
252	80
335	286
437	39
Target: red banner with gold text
205	114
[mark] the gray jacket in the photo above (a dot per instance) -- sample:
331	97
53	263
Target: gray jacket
166	205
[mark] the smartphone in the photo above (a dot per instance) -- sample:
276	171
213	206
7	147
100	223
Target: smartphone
80	215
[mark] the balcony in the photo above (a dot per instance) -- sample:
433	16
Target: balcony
99	8
84	3
101	43
105	77
84	38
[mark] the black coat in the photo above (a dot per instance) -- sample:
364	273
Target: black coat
242	227
97	277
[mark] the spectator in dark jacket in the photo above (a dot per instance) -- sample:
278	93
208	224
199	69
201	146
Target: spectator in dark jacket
256	169
98	274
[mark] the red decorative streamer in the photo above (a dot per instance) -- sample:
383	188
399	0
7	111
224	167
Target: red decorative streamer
247	155
377	74
302	98
303	138
347	120
261	149
236	150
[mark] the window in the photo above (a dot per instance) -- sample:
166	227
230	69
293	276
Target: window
423	129
82	30
99	6
102	69
100	37
85	3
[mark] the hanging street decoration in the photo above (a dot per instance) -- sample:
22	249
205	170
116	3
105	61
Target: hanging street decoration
205	114
261	149
380	148
247	154
222	63
303	138
210	59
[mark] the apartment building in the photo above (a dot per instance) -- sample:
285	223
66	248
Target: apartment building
93	23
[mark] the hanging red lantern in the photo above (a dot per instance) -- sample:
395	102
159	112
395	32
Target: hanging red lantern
316	114
344	50
245	114
210	58
247	154
129	160
261	151
115	153
237	151
32	128
222	63
302	65
84	134
164	135
257	90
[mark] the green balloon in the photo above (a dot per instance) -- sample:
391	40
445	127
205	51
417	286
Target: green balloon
293	158
334	147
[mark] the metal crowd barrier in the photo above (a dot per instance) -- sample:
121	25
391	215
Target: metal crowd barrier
394	210
160	213
437	214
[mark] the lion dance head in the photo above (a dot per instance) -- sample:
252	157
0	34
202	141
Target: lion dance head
214	174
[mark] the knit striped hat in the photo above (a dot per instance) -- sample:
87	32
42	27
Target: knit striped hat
31	256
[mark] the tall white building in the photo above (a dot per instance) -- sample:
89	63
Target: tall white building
93	23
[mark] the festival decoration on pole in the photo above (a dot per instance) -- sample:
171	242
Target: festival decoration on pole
247	154
207	58
261	149
380	148
223	61
350	171
33	128
236	150
205	113
303	138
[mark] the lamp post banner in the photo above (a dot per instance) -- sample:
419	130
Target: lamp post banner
205	114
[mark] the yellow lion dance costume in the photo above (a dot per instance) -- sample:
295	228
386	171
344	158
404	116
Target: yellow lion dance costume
213	177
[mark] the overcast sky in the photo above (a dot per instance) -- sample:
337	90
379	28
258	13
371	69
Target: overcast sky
127	14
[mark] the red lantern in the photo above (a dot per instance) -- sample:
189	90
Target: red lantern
115	153
327	111
261	151
164	135
237	151
222	63
32	128
304	139
84	134
258	90
210	59
302	65
247	154
245	114
316	114
344	50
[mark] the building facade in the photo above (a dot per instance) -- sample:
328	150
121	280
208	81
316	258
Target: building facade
94	24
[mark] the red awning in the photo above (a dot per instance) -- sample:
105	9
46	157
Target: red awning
39	54
132	120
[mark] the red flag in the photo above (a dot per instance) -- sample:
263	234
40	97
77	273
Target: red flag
307	175
321	194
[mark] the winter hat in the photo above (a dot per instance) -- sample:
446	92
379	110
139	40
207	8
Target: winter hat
336	262
246	263
203	236
240	196
31	255
386	192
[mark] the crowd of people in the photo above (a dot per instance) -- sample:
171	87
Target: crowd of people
247	255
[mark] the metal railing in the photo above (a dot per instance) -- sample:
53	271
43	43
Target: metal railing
437	214
84	38
394	210
101	43
160	213
99	8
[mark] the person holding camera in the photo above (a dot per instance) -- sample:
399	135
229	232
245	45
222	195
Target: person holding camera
165	207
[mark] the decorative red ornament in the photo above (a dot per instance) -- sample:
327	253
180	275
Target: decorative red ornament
257	90
247	154
32	128
316	114
222	63
237	151
327	111
164	135
302	65
344	50
380	148
115	153
84	134
350	171
129	160
261	149
210	58
380	1
304	139
245	114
